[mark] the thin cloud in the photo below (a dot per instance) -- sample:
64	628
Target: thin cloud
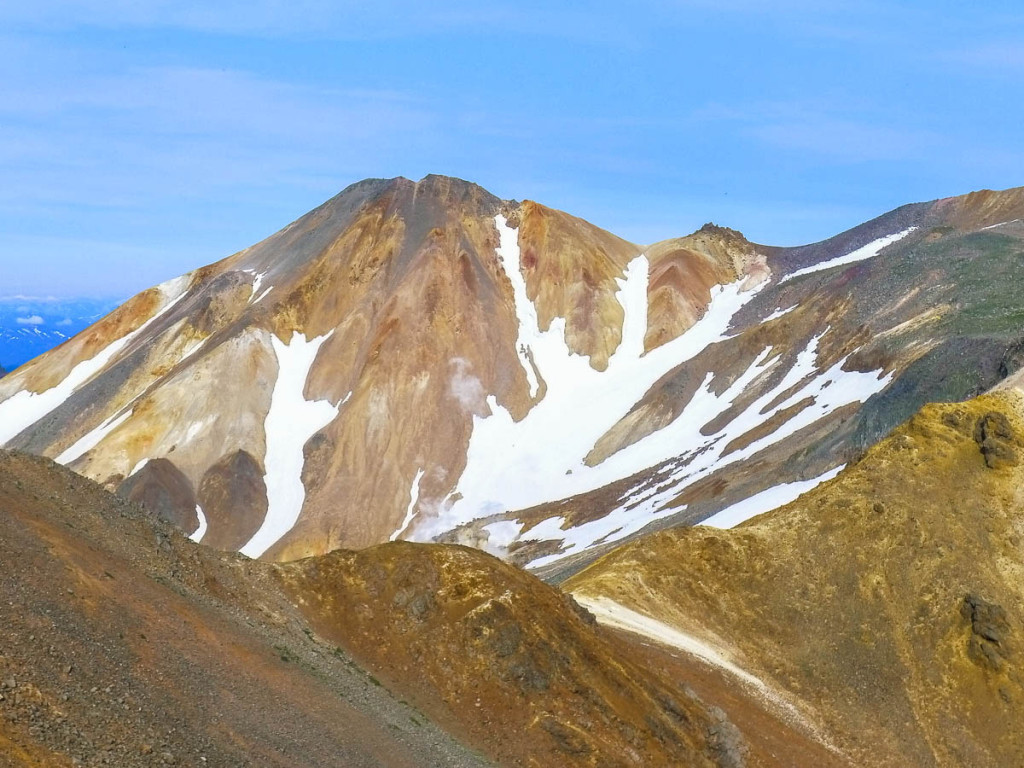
323	19
812	129
1005	57
30	320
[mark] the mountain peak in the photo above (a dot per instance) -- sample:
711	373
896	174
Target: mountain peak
710	228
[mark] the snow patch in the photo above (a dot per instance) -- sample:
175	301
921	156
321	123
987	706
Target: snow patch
291	422
611	613
698	455
541	458
263	295
192	348
766	501
1000	224
25	408
92	439
256	282
529	327
139	466
198	533
868	251
779	313
410	512
515	465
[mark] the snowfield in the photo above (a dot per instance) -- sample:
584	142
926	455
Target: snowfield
868	251
92	439
410	512
540	459
25	408
198	533
291	421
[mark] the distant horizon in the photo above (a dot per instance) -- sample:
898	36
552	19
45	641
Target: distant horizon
139	141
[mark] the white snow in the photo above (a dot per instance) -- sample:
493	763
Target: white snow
611	613
410	512
540	459
256	282
701	455
868	251
766	501
515	465
1000	224
529	327
193	347
25	408
92	439
139	466
198	533
291	421
263	295
779	313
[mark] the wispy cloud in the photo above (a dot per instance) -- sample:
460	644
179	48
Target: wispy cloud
326	19
814	129
116	134
30	320
1005	57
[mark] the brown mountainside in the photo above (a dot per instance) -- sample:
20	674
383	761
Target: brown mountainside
123	643
883	606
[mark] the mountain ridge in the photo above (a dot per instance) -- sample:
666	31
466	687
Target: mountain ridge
411	325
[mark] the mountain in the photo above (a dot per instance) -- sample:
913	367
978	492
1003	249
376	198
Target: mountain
126	644
425	361
32	325
883	607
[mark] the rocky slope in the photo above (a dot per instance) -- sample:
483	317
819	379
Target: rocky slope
425	361
882	608
494	653
123	643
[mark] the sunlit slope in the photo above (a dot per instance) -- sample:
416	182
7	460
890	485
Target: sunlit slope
884	606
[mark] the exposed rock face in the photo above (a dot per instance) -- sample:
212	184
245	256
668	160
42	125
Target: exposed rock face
162	489
989	644
404	360
233	492
893	589
995	437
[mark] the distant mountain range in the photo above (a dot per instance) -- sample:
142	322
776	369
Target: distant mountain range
32	325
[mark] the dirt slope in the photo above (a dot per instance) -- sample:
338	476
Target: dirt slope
492	652
121	643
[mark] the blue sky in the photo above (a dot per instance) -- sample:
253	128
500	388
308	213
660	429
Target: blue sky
142	138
